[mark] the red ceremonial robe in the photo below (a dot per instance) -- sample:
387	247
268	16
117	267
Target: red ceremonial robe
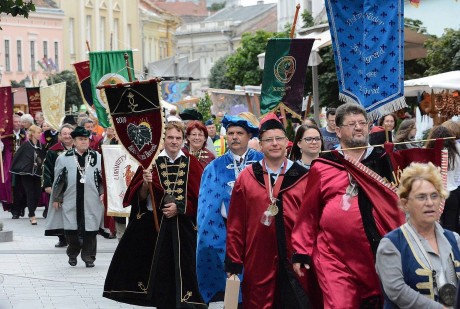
339	239
158	269
265	251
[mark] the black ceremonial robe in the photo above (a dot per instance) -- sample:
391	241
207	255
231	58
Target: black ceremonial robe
158	269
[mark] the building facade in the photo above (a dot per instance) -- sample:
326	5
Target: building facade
31	48
287	8
158	28
220	34
100	25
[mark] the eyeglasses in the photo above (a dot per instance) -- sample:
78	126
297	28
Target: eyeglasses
424	197
310	140
271	140
352	125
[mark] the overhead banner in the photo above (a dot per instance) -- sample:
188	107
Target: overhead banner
6	113
33	100
82	73
119	170
368	42
107	68
53	103
285	70
138	119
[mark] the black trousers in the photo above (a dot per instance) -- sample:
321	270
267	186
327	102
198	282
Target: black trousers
449	217
87	246
26	193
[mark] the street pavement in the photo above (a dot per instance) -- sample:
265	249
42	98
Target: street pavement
34	274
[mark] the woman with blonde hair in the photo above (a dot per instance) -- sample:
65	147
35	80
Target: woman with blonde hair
418	262
27	171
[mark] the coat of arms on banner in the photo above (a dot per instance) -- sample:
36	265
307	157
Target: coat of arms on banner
138	118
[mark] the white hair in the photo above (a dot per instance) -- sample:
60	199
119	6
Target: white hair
28	118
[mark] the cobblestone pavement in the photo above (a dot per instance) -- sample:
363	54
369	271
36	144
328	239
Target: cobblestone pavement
34	274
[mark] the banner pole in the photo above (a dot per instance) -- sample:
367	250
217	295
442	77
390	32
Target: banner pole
128	67
154	208
297	8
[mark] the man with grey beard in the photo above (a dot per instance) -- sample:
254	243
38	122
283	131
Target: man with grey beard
337	224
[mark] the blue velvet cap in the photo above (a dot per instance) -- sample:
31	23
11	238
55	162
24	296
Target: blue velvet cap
229	121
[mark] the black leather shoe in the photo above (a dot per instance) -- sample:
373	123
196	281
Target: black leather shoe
89	264
73	261
60	244
22	213
15	217
45	213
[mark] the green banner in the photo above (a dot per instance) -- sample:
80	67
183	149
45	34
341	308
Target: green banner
284	73
107	68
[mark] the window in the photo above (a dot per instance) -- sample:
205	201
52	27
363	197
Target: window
56	56
7	56
128	38
115	34
32	56
72	35
19	52
88	28
45	49
102	34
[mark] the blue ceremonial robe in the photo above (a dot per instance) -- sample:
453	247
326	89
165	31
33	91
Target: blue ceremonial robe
212	231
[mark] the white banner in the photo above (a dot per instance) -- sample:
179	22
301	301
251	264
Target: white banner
119	170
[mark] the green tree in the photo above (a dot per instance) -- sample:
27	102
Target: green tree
443	54
243	65
217	6
72	93
307	19
217	78
204	106
16	8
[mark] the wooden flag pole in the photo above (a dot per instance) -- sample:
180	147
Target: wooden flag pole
307	110
128	67
297	8
87	46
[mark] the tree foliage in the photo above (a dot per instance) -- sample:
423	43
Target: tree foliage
443	54
217	78
217	6
16	8
243	65
307	19
72	94
204	106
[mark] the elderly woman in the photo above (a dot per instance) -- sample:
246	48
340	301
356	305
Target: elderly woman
307	145
197	135
27	171
418	262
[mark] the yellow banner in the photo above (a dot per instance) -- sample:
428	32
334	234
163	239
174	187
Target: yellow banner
53	103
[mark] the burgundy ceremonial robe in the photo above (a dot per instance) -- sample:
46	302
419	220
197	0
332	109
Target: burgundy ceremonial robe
265	251
204	156
341	239
158	269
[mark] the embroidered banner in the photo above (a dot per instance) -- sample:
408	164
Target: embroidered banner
33	99
6	113
53	103
84	82
284	73
107	68
119	170
368	42
138	119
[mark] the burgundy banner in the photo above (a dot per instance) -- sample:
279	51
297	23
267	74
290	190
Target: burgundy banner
84	83
33	98
6	106
138	119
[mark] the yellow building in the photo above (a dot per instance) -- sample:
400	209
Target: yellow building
104	24
158	28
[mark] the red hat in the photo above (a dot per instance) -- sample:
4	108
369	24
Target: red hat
270	122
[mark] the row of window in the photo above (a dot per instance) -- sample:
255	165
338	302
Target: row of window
47	62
